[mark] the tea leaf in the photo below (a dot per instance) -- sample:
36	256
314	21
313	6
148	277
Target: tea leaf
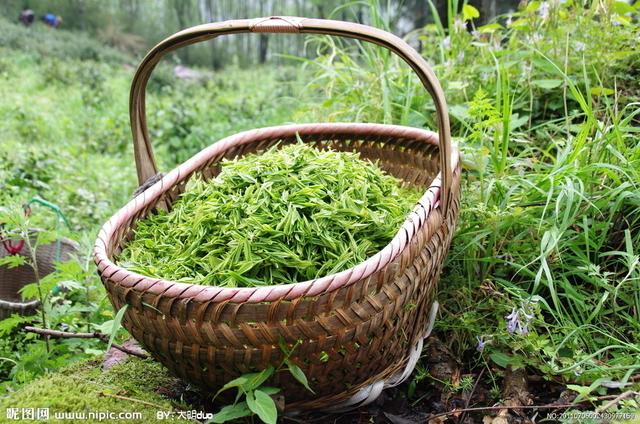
288	215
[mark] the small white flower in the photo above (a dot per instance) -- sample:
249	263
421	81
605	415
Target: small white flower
509	20
446	42
461	56
459	25
579	46
543	10
535	38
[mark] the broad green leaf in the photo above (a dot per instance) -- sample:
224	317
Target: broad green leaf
584	392
519	24
255	380
231	412
105	327
623	20
533	6
517	121
601	91
469	12
547	84
263	406
622	8
270	390
237	382
117	323
490	28
500	359
298	374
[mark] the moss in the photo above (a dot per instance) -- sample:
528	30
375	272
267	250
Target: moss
84	388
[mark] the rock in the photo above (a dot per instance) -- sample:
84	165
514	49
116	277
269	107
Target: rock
115	356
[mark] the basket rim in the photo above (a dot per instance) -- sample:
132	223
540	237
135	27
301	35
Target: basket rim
114	274
8	305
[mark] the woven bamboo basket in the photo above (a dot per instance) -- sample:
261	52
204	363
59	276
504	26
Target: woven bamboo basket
359	330
12	280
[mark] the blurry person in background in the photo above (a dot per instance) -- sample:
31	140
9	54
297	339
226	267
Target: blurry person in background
52	20
27	17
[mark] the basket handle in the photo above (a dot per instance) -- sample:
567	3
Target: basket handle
145	162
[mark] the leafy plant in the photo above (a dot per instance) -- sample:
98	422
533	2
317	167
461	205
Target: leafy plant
550	165
258	397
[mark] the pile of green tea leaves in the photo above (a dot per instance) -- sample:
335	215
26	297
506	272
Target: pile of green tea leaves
288	215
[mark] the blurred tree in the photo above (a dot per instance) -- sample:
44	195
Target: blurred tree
134	25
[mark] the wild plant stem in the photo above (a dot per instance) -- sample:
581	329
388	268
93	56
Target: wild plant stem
95	335
34	265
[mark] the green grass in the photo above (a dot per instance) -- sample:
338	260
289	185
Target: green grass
65	137
548	126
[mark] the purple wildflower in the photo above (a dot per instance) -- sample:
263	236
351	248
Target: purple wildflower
524	326
519	319
512	321
481	343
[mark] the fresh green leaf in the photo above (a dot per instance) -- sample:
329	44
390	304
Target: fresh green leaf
469	12
231	412
263	406
601	91
547	84
490	28
255	380
298	374
117	323
237	382
501	359
270	390
622	8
